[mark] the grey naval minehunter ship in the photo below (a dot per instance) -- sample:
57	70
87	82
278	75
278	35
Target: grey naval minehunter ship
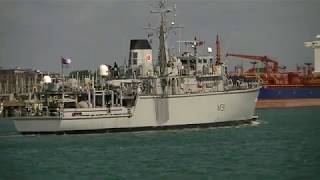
178	91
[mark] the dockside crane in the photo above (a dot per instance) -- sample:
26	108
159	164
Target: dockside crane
264	59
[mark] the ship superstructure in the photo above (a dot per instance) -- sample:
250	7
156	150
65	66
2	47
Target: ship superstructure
178	91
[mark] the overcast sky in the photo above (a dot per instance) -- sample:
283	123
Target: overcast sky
35	33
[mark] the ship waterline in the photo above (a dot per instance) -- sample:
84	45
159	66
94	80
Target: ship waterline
151	112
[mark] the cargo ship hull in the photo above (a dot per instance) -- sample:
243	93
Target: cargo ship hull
274	96
289	92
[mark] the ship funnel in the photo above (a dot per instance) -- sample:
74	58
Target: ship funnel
140	57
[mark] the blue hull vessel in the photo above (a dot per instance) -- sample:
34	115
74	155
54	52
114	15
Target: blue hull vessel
289	92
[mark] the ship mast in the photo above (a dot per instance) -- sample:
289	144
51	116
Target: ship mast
163	53
163	29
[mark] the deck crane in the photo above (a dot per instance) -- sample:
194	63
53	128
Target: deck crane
194	44
264	59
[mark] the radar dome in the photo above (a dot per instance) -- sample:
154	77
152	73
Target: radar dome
103	70
46	79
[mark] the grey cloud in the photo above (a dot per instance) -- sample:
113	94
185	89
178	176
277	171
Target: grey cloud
35	34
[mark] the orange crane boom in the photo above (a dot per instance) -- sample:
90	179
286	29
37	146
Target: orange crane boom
264	59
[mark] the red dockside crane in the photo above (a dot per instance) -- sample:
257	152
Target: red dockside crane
264	59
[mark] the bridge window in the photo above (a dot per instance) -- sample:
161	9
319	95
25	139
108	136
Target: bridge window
134	58
204	61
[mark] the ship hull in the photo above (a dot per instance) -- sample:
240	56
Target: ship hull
288	96
154	112
289	92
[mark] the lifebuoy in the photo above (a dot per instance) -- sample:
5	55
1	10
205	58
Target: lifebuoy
148	57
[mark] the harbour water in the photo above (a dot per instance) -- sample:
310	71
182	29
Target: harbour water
282	144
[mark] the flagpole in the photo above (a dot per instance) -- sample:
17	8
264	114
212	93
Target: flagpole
63	62
62	83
